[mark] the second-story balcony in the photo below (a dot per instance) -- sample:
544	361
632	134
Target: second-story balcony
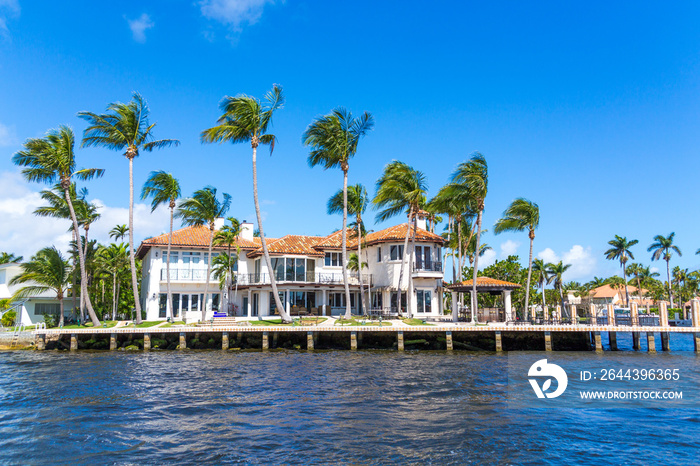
306	278
185	275
427	269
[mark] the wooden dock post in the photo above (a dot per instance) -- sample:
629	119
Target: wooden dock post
183	340
274	339
598	342
112	341
310	341
696	339
448	339
73	342
635	341
224	341
651	343
266	341
239	338
663	314
399	336
41	342
548	341
146	341
499	342
612	339
359	338
353	340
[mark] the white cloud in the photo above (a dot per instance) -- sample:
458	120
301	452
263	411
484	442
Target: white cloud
583	263
8	9
234	13
139	26
654	269
8	137
487	259
548	255
24	234
509	248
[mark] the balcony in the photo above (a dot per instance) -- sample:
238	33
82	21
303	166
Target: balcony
186	275
243	279
427	269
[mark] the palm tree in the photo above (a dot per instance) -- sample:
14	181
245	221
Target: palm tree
521	215
51	159
203	208
119	232
333	139
113	259
472	176
401	189
246	119
47	270
542	277
620	250
228	236
356	205
354	263
9	258
125	127
663	247
164	189
555	272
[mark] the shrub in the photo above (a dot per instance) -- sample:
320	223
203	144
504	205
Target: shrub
8	318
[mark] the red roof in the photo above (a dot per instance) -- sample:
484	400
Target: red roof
195	237
291	244
396	233
486	282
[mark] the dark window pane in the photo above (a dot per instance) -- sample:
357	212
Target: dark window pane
290	269
300	270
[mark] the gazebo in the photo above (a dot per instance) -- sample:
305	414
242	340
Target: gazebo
485	285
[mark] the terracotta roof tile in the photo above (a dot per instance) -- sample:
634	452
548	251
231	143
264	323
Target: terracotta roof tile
391	234
291	244
606	291
486	282
197	237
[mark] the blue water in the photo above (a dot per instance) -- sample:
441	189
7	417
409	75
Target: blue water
337	407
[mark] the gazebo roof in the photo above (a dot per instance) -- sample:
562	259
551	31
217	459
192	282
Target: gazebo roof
484	284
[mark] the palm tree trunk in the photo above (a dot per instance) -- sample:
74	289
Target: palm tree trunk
60	310
526	314
82	298
627	294
132	258
459	247
403	260
359	260
412	261
668	274
344	236
83	275
169	308
206	281
476	266
114	295
273	283
450	226
544	300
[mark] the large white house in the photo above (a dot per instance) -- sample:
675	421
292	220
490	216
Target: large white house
32	309
308	271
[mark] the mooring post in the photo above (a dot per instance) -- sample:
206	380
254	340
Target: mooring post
359	338
40	342
448	339
353	340
146	341
612	338
598	342
274	339
695	312
266	341
112	341
183	340
635	341
310	341
548	341
663	314
499	342
611	314
73	342
224	341
239	338
399	335
651	343
634	314
665	343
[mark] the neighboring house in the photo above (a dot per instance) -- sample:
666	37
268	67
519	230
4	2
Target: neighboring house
307	269
608	295
32	309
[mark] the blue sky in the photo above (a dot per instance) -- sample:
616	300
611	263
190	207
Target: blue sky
588	109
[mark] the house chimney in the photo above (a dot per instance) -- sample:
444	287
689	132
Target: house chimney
247	231
219	223
421	220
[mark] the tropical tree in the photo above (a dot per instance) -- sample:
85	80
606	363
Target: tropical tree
52	159
46	271
401	189
542	278
125	127
164	188
203	208
9	258
357	199
354	263
472	177
113	259
228	236
521	215
247	119
555	272
119	232
663	248
333	140
620	250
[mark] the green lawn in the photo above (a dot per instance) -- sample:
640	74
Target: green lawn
415	322
148	323
277	322
173	324
355	322
109	323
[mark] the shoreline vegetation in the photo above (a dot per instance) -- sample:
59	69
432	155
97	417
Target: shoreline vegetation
101	281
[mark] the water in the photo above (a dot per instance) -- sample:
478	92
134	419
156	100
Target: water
368	407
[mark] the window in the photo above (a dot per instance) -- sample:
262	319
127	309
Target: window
394	301
379	254
185	303
176	304
194	303
303	299
215	299
424	301
396	252
278	267
290	269
300	270
273	304
256	268
47	308
377	300
334	259
162	304
296	270
423	258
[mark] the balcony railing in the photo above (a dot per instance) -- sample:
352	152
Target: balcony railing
314	278
186	275
427	267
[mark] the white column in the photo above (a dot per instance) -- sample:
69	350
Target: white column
325	302
473	305
249	311
286	301
507	303
454	306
